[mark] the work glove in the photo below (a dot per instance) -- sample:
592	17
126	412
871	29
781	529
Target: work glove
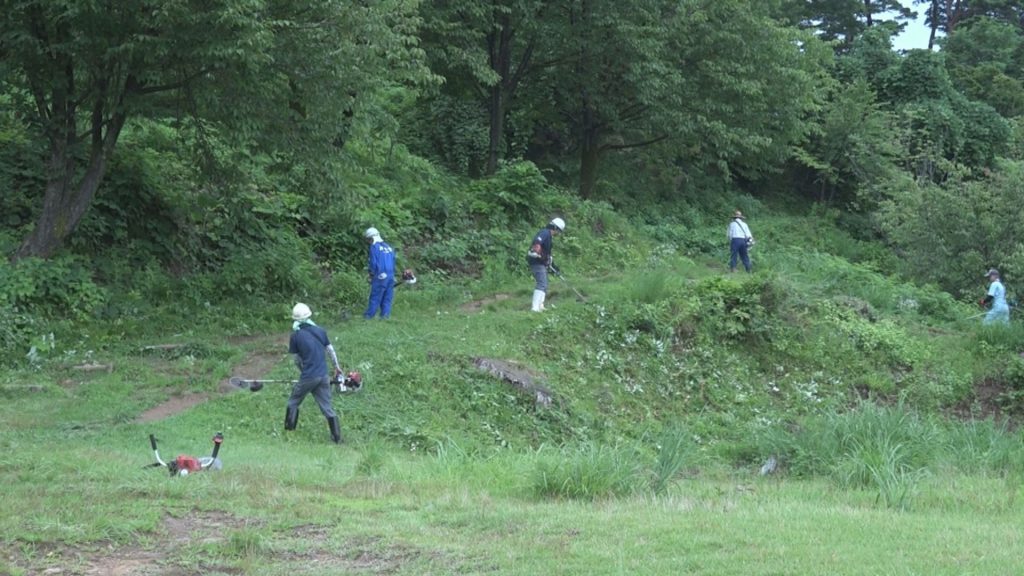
337	374
554	268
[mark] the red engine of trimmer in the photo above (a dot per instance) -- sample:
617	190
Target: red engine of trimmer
184	465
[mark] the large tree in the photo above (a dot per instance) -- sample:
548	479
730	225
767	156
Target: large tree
272	71
718	81
484	50
844	20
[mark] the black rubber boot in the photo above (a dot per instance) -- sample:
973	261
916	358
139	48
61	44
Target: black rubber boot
291	418
335	429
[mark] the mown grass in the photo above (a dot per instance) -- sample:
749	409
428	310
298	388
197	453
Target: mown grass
475	514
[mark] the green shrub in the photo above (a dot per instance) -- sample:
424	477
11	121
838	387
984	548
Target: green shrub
57	288
17	330
737	309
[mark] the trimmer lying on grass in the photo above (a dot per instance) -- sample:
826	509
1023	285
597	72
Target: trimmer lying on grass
185	465
351	382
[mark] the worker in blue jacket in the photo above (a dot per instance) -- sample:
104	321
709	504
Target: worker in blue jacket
381	268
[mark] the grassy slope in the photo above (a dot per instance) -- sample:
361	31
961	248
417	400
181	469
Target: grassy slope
424	484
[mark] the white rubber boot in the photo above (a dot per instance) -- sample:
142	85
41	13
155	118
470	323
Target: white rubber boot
538	301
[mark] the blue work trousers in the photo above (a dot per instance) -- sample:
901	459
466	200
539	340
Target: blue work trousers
382	292
540	276
998	315
738	247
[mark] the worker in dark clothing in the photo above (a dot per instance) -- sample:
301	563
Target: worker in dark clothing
308	343
539	260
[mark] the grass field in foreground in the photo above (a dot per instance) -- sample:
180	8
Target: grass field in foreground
286	506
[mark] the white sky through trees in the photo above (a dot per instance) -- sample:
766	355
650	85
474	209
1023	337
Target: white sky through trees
915	35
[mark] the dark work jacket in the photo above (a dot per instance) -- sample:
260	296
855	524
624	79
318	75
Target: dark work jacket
309	342
540	248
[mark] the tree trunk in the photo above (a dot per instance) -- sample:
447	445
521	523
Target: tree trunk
64	202
867	12
934	24
500	48
590	154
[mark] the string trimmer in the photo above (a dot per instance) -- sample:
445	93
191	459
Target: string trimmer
350	382
408	277
580	297
185	465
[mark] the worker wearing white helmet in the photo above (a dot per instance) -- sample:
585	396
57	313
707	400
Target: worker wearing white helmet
381	270
539	259
995	300
308	343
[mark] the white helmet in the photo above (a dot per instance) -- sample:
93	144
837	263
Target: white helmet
371	232
301	312
558	223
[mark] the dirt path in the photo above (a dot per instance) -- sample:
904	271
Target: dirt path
200	542
265	353
478	305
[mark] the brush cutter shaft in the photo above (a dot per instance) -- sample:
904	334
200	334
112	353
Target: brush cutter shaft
571	287
245	382
350	382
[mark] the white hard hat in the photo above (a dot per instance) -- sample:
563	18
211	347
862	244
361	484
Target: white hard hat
371	232
301	312
558	223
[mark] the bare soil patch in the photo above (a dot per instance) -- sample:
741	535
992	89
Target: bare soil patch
311	548
478	305
172	406
265	352
985	403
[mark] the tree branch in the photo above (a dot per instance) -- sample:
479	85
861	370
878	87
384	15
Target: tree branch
605	147
524	64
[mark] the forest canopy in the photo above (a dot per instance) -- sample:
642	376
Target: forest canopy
193	132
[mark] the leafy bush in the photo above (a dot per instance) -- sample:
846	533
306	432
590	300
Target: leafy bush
17	329
737	309
56	288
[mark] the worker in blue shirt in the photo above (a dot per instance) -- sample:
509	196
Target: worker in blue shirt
309	343
381	268
999	311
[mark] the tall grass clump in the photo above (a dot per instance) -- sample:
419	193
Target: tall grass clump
650	288
887	449
590	472
1008	337
675	450
983	446
882	465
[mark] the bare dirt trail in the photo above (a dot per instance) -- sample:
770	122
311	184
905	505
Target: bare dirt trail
265	352
474	306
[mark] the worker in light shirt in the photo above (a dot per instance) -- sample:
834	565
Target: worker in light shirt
740	241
